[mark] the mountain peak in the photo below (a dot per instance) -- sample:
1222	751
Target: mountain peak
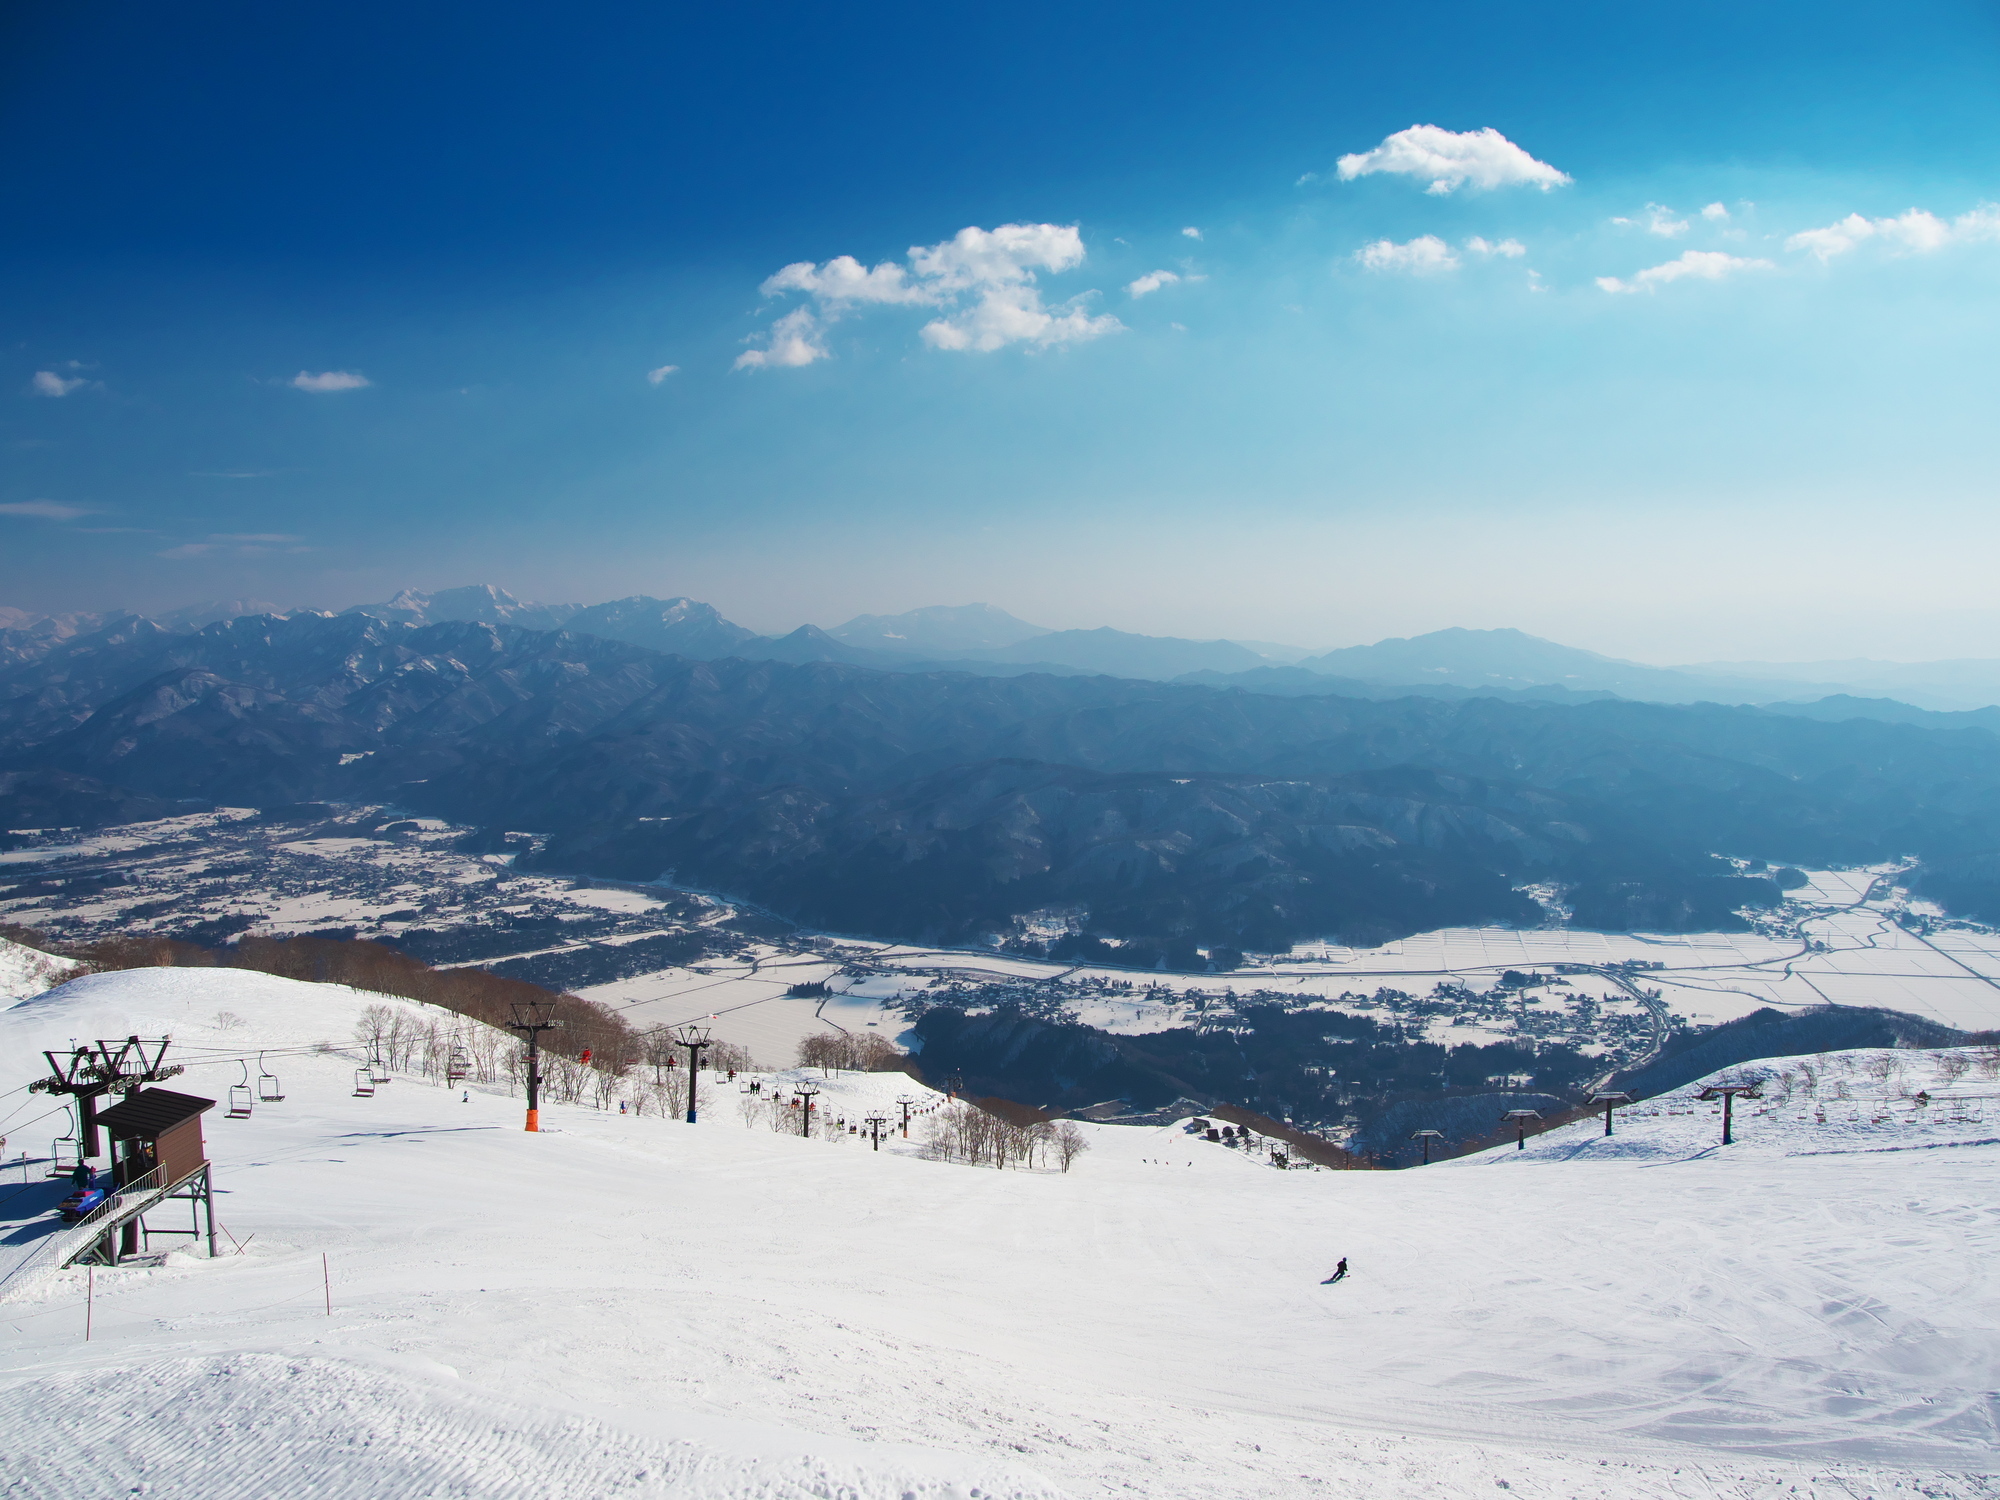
937	630
473	603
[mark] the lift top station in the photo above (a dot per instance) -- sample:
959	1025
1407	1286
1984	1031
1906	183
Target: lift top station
88	1072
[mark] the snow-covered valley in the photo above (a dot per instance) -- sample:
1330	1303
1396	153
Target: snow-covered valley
629	1305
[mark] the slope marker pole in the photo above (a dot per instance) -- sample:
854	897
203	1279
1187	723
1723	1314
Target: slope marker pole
326	1278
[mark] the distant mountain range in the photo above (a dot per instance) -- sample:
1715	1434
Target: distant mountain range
940	629
980	638
949	806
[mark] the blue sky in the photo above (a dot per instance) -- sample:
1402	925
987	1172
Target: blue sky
1770	434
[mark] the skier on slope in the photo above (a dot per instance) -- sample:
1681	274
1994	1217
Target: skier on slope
1339	1273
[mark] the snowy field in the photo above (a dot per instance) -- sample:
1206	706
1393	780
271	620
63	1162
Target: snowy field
635	1307
1838	939
1845	937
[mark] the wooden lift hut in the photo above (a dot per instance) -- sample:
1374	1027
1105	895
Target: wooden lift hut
157	1153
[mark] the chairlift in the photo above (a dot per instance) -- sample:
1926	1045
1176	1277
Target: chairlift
378	1071
457	1062
66	1153
269	1090
239	1096
364	1084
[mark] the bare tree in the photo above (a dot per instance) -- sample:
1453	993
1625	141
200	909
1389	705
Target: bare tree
1069	1142
657	1052
373	1026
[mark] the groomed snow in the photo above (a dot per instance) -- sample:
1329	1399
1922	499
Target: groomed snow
631	1306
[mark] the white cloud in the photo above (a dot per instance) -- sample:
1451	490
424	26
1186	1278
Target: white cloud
1511	249
1703	265
1915	232
845	279
1152	281
1657	220
45	510
794	340
1007	256
656	376
236	544
1191	232
1715	212
1420	257
1013	315
48	383
1450	159
329	380
983	280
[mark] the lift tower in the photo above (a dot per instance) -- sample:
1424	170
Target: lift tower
88	1073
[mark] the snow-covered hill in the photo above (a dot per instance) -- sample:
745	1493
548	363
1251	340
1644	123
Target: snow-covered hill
631	1306
29	971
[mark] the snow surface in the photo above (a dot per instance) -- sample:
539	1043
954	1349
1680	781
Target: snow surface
29	971
630	1306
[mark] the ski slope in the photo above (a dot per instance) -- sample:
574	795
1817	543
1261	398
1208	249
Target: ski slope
629	1306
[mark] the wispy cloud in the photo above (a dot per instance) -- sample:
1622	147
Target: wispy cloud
1660	220
1191	232
49	383
236	544
1915	232
1152	281
46	510
982	280
329	380
655	376
1507	249
1702	265
1715	213
1452	159
1422	256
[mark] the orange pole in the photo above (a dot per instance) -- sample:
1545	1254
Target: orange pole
534	1119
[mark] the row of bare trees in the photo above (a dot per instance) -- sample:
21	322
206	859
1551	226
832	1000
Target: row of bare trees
849	1051
966	1133
477	994
789	1115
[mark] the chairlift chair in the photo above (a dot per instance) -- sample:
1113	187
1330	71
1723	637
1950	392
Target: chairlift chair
66	1152
269	1091
457	1063
364	1084
239	1096
378	1071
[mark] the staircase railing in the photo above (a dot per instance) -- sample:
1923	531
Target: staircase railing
66	1244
